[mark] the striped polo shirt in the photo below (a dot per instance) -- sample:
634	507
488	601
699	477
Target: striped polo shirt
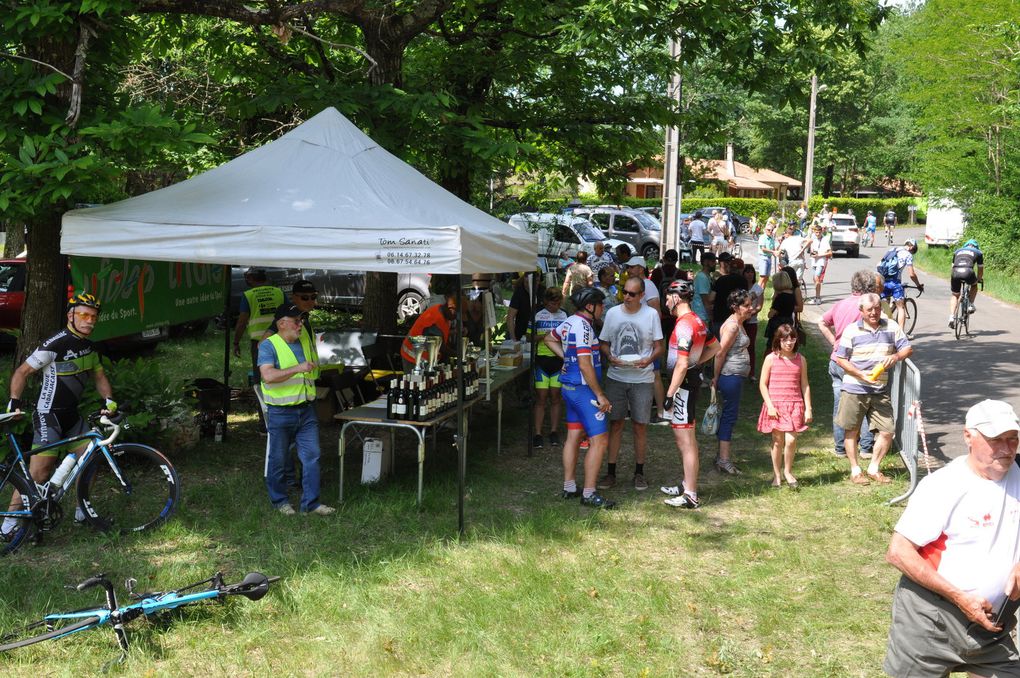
865	347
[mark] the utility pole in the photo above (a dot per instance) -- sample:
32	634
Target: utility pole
672	172
809	169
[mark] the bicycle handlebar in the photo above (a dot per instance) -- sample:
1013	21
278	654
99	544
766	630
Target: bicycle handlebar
97	580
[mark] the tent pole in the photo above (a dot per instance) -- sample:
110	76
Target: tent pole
532	283
227	284
461	423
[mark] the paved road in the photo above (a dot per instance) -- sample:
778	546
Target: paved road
954	374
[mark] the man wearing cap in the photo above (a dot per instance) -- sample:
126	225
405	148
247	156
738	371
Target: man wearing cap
258	303
288	386
958	546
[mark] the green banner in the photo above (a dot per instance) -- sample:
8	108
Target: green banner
145	295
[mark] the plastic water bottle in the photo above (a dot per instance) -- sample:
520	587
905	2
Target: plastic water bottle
218	436
60	475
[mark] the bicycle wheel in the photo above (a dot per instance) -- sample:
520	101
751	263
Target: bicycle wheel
143	496
44	629
14	492
911	306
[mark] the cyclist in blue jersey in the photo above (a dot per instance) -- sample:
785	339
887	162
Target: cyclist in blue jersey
576	342
894	263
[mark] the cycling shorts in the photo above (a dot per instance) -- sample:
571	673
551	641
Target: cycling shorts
581	410
51	427
892	289
685	399
547	372
961	276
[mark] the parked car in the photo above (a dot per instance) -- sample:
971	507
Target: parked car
561	236
638	229
654	211
338	289
845	236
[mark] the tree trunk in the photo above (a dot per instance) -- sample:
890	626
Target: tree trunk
44	300
827	187
379	310
15	241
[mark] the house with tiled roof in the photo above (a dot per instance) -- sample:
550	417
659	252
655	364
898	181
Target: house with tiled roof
735	178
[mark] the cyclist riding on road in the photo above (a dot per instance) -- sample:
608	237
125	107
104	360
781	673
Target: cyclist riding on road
965	261
890	224
870	226
67	359
895	261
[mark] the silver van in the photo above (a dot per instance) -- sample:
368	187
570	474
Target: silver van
637	228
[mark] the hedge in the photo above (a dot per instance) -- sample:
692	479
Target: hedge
993	221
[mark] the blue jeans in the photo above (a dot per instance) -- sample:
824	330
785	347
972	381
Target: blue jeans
730	387
287	425
867	440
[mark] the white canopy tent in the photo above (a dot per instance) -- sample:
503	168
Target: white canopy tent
324	195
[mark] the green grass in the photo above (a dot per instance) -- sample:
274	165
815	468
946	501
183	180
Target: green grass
757	583
938	261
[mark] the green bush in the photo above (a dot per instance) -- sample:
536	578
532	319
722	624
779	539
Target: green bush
156	406
860	206
993	221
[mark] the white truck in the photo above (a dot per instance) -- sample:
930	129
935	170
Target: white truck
945	224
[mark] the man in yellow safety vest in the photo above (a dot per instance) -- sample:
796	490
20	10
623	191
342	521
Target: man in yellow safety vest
288	386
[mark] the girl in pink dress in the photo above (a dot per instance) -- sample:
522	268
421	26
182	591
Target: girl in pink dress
787	408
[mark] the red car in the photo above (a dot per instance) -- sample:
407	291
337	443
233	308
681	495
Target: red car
12	293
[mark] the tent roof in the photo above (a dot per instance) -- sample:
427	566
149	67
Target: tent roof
324	195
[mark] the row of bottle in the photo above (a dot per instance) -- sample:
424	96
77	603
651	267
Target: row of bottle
421	397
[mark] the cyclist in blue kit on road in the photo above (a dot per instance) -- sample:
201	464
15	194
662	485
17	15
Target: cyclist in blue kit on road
576	342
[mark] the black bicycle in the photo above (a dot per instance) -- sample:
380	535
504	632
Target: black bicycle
123	487
961	317
910	306
254	586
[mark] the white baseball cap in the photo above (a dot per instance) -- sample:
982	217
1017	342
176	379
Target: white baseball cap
992	418
636	260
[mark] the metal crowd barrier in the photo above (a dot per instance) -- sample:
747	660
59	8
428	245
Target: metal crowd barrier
906	403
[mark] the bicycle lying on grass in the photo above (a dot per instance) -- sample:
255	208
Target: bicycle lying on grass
123	487
54	626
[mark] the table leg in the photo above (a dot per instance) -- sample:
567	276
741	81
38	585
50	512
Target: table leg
393	451
421	462
499	422
343	430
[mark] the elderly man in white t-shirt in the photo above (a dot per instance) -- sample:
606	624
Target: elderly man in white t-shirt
958	547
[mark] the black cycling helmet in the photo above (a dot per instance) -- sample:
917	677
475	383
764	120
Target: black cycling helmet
83	299
683	288
587	296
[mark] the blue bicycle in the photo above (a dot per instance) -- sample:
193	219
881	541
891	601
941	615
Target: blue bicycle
54	626
123	487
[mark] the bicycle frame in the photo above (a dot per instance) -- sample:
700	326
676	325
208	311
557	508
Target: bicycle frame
16	461
147	604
